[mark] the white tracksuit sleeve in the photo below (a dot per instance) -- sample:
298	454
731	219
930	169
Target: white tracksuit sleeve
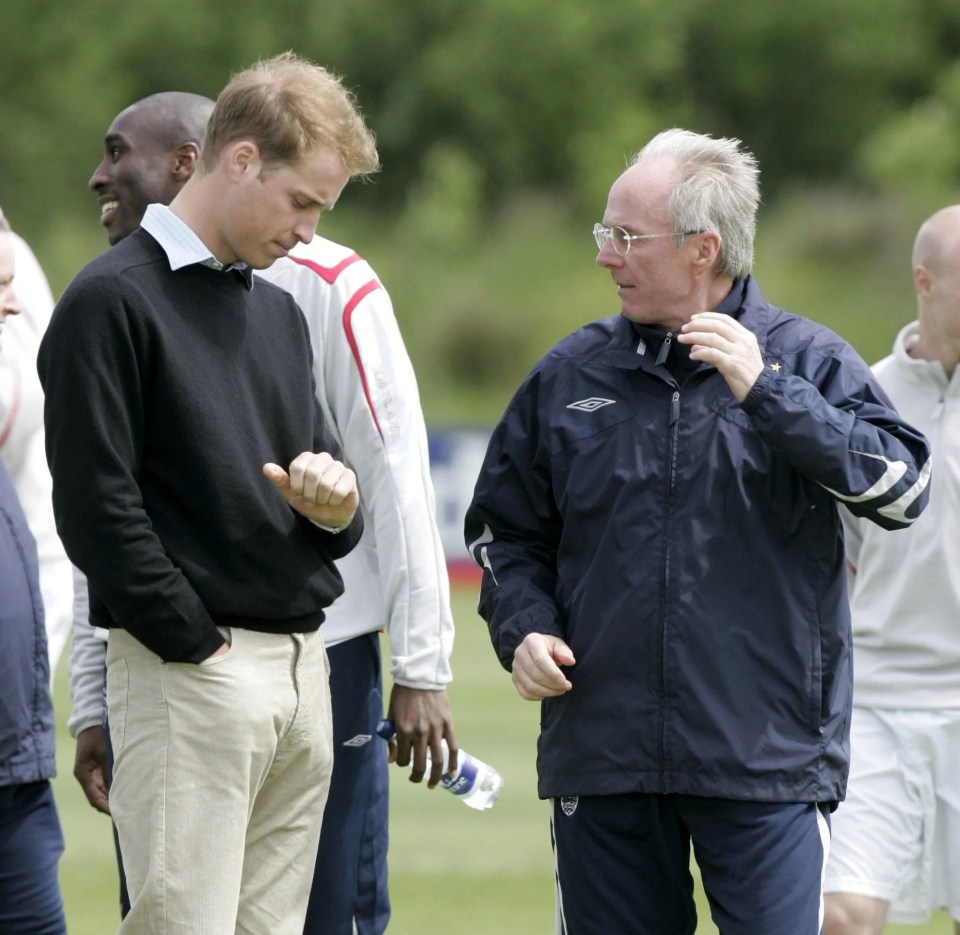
88	664
367	386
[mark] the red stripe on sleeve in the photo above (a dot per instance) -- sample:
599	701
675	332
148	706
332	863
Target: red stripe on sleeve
329	274
355	300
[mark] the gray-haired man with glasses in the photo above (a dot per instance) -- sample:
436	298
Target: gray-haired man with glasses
663	561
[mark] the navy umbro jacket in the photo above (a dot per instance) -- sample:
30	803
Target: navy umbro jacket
26	711
688	549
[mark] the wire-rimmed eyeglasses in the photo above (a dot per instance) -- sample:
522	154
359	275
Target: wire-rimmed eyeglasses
621	239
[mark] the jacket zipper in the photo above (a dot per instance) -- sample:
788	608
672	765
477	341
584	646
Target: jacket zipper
673	422
664	349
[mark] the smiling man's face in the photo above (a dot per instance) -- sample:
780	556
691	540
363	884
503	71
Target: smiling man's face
136	171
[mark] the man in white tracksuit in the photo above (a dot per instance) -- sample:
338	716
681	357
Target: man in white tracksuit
896	838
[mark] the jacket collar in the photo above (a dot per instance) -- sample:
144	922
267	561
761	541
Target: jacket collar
628	348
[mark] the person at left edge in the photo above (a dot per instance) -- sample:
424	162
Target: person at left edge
31	840
22	442
197	488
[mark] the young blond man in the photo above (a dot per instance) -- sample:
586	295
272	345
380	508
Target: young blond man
198	489
395	580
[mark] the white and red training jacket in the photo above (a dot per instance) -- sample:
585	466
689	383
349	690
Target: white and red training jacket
396	578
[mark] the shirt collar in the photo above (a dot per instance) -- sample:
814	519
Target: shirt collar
921	367
734	299
652	336
182	246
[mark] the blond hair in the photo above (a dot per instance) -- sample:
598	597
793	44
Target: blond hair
289	107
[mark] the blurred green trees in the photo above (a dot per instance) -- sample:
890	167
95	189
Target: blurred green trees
480	107
536	93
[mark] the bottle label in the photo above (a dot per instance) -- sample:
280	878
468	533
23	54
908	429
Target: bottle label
465	778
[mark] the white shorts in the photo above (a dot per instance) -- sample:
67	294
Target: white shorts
897	834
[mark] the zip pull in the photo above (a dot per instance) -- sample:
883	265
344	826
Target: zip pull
664	349
675	407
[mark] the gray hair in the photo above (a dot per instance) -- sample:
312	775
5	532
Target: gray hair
718	190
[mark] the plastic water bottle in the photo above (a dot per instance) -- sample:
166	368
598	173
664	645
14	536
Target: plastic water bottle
475	783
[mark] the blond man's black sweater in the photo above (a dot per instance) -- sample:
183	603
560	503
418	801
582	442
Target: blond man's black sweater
165	394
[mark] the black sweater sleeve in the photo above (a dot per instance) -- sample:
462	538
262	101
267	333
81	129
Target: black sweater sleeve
165	394
93	363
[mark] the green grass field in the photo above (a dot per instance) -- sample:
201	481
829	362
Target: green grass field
452	869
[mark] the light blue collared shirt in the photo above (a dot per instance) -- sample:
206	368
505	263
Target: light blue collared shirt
181	245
